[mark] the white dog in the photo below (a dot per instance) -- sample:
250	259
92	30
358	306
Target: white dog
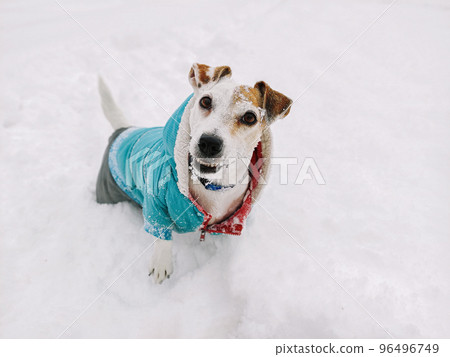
203	170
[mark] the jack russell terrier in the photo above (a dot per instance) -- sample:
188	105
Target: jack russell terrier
203	170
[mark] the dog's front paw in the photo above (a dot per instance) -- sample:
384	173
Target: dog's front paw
161	266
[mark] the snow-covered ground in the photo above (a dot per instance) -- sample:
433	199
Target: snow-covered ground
377	123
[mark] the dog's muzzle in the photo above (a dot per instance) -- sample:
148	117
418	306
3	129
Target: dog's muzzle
204	166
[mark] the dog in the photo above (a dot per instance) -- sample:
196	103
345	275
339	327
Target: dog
203	170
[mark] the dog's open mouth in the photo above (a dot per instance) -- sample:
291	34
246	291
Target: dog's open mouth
207	172
204	166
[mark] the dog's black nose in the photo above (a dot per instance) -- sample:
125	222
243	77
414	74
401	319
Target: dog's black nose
210	145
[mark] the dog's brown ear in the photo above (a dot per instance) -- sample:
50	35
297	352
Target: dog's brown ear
202	75
276	104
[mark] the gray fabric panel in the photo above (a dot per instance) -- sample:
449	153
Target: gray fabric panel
107	191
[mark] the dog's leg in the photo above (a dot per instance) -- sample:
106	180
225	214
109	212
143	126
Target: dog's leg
161	266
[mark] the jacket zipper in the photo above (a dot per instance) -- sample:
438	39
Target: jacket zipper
204	227
202	235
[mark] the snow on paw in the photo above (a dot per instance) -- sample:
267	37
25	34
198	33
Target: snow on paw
161	266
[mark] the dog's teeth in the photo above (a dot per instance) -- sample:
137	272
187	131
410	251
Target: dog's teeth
206	163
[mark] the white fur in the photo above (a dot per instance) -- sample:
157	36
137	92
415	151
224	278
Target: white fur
110	109
161	266
219	204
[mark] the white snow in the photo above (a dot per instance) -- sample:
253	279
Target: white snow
376	123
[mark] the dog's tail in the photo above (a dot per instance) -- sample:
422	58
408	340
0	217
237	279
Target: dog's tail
110	108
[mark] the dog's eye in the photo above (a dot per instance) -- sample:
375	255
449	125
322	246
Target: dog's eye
206	102
249	118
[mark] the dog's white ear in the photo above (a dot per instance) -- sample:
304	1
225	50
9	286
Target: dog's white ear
202	75
276	104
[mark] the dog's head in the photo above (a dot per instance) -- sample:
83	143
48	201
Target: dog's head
227	121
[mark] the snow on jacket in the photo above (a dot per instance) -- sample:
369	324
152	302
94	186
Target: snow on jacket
151	166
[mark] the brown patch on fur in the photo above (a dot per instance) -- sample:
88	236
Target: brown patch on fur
237	125
275	103
220	72
246	94
202	73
